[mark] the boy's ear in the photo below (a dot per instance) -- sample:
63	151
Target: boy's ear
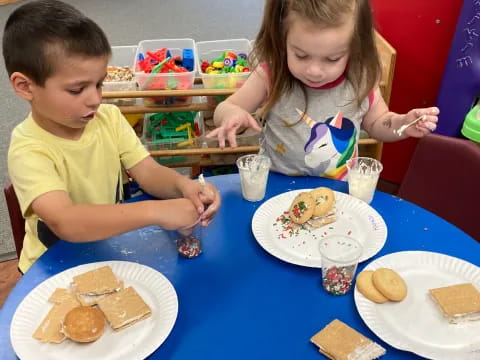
22	85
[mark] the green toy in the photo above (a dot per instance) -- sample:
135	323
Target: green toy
471	125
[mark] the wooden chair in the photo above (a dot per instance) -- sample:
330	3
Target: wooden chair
16	219
443	178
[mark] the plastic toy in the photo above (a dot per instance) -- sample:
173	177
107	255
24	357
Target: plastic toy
187	59
162	69
229	62
172	129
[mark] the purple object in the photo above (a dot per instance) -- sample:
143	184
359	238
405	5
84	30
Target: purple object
460	86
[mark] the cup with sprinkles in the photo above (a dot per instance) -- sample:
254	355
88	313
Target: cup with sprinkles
339	255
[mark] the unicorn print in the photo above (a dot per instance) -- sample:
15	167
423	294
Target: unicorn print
330	145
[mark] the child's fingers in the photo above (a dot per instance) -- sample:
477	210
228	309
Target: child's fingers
221	137
253	123
213	133
197	202
232	137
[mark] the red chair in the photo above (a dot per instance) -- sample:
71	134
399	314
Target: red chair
16	219
444	178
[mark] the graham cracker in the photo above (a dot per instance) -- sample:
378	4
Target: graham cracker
49	330
338	341
96	282
60	295
457	300
124	308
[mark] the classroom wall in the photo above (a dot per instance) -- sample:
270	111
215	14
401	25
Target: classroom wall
421	31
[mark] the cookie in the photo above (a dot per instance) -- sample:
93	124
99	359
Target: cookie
302	208
364	284
324	200
389	284
84	324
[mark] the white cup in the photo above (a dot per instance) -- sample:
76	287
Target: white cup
363	173
253	171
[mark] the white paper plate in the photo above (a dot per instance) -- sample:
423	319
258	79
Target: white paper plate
354	217
135	342
416	324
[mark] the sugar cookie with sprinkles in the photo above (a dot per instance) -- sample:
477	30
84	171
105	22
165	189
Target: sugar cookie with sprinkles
324	200
302	208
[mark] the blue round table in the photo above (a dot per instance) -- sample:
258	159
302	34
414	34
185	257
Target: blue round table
236	301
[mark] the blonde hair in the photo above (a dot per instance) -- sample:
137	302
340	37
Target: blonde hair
363	70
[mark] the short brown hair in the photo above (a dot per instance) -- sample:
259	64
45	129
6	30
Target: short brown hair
270	45
39	32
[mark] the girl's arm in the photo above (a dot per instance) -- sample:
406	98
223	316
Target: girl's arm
379	122
233	114
251	95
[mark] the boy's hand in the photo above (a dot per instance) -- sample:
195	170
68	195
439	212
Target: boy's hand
205	198
236	119
211	200
182	214
423	127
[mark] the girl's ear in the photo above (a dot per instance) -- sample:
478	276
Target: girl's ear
22	85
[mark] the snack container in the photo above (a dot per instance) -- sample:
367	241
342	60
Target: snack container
166	80
122	57
209	51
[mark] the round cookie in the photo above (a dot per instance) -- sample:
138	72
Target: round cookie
390	284
365	285
302	208
84	324
324	200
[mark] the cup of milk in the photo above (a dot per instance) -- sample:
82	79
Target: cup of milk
253	169
363	173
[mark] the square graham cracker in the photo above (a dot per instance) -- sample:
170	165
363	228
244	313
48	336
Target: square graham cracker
338	341
124	308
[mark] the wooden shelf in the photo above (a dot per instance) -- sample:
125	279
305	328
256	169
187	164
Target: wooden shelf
196	157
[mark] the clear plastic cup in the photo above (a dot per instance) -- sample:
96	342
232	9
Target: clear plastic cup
363	173
340	255
253	171
189	242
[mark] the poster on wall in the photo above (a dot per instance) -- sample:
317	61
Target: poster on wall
460	88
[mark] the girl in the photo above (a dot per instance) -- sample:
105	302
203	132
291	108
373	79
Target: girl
317	86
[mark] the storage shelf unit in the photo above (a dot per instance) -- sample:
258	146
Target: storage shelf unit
367	147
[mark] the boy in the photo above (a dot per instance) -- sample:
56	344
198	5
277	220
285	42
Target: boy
66	159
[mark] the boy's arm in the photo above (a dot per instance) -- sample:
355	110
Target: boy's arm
84	222
163	182
379	122
157	180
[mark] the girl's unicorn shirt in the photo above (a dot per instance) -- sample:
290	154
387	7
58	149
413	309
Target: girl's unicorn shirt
318	140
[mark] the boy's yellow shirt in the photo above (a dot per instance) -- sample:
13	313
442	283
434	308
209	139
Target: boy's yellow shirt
88	169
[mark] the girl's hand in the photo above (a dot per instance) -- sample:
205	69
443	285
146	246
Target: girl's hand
235	118
205	198
423	127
